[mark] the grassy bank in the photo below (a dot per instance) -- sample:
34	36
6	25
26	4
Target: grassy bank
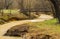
48	27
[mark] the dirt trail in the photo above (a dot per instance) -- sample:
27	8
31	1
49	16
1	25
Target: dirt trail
7	37
5	27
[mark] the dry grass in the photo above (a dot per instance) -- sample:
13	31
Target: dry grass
47	27
43	28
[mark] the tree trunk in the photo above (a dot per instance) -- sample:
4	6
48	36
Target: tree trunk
57	9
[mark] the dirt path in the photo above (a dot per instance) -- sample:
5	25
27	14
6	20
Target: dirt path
5	27
7	37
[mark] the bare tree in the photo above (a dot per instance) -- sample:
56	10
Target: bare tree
7	4
21	7
37	6
1	6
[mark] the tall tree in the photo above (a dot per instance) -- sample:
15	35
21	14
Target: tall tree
7	4
57	8
22	8
1	6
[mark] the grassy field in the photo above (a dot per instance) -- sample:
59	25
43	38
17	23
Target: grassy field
49	27
47	24
8	11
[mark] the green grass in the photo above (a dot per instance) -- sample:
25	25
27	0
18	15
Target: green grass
50	26
8	11
47	23
8	14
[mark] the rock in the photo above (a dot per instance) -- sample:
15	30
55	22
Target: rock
18	30
27	32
